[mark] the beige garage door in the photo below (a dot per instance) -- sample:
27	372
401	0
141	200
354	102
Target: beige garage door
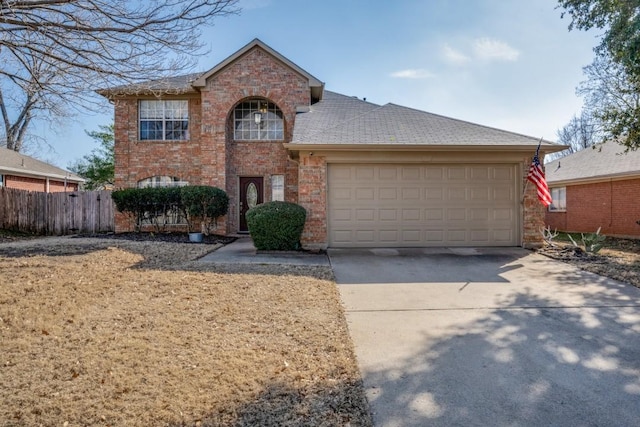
422	205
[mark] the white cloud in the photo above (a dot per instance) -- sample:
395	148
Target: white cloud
453	56
413	73
491	49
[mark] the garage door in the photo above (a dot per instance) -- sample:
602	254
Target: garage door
422	205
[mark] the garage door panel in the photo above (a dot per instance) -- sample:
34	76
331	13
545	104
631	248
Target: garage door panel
389	236
422	205
411	173
503	236
457	236
365	236
388	193
432	194
503	173
365	214
341	193
365	173
479	236
479	214
341	215
388	214
456	214
411	194
479	173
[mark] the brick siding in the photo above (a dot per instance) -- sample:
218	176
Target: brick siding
211	156
312	195
611	205
533	213
37	184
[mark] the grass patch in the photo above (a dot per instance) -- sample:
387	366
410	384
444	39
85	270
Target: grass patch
90	338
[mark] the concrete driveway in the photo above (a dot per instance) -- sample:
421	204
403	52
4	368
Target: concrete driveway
490	337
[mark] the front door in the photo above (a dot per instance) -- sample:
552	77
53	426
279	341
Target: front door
251	192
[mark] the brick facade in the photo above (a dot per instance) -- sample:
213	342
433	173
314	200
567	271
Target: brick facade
38	184
610	205
312	195
212	156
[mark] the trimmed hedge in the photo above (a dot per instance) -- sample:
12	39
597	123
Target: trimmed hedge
276	226
147	204
205	203
152	204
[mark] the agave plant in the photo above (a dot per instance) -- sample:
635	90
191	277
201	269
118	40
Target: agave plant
591	242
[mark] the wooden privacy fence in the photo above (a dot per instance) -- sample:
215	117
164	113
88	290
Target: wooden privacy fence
56	213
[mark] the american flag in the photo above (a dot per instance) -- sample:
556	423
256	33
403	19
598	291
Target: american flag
536	175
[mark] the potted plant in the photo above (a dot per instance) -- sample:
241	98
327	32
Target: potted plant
203	205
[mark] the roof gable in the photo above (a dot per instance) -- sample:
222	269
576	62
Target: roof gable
339	119
191	83
315	84
599	162
12	162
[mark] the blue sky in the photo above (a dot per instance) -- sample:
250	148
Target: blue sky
510	64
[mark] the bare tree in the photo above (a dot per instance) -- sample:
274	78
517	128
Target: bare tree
55	53
581	132
612	101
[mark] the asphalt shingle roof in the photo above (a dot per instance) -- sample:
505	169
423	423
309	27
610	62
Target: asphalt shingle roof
601	160
169	85
339	119
12	162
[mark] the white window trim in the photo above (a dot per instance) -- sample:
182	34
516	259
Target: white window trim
164	119
559	204
245	127
277	188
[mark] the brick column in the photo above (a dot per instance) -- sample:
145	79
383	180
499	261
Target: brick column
533	213
312	195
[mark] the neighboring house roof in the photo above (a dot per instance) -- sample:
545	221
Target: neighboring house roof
14	163
343	120
597	163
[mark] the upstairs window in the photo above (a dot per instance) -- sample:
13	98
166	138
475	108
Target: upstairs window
162	120
258	120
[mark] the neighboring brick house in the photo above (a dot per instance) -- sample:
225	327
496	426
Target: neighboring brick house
26	173
597	187
261	128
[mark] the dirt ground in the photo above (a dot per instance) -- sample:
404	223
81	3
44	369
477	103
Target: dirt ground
619	259
100	332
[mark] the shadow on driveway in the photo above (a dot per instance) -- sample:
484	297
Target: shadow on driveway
526	341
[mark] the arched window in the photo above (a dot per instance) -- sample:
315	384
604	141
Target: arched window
161	181
258	120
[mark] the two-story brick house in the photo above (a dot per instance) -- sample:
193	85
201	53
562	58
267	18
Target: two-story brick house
261	128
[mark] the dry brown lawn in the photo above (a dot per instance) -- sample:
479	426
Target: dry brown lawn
113	333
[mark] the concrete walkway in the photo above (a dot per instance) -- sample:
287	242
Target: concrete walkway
479	337
242	251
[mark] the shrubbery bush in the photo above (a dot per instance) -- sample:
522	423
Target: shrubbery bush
276	226
155	205
204	203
